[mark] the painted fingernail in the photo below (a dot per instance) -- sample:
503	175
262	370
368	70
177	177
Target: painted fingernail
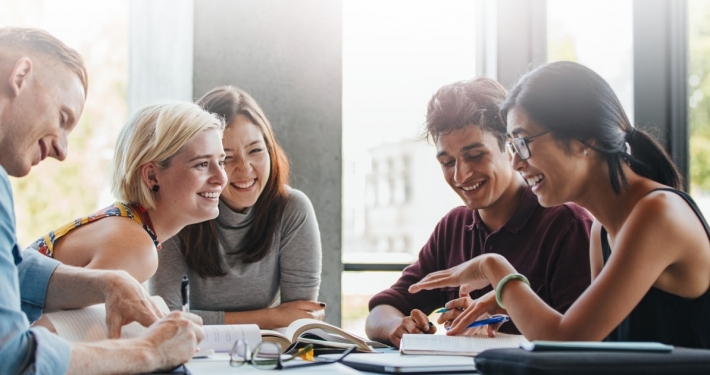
322	304
431	324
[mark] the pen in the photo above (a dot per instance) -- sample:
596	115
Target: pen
443	310
185	292
484	322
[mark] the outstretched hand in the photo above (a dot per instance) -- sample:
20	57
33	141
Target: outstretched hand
467	275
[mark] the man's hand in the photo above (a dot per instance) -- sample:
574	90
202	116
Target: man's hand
127	301
174	339
416	322
288	312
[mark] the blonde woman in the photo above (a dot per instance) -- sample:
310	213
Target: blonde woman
168	173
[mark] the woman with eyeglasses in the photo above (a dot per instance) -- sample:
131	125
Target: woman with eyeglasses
259	261
649	253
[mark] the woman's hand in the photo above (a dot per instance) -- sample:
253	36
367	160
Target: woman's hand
287	312
481	308
468	275
455	308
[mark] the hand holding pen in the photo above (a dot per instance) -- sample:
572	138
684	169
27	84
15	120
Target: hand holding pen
471	311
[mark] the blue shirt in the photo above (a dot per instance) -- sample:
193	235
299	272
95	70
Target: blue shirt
23	287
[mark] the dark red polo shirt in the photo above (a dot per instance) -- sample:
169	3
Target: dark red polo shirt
550	246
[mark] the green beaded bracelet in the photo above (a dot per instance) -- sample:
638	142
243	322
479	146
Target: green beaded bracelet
503	281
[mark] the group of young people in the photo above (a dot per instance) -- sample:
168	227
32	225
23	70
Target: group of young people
574	223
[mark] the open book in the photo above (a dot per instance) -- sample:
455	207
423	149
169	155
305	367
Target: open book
89	324
319	333
457	345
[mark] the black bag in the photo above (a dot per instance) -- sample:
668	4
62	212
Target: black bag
522	362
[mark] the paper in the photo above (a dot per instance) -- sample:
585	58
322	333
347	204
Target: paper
457	345
89	325
221	338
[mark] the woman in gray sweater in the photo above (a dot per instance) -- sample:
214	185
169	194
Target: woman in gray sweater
260	260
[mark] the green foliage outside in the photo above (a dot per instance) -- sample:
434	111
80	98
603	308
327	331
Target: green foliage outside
54	193
699	93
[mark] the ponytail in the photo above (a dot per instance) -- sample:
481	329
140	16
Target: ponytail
649	159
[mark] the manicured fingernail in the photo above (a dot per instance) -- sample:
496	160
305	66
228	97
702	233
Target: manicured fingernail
431	324
322	304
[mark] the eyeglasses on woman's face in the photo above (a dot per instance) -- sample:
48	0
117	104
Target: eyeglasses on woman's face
521	146
267	356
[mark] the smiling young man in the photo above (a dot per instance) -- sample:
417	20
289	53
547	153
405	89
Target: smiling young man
501	215
42	92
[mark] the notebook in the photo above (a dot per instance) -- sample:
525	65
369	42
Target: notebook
457	345
89	325
395	363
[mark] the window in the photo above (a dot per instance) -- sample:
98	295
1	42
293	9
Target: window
395	56
699	101
55	193
599	35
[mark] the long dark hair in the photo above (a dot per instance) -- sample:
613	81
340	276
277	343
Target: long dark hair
200	242
574	102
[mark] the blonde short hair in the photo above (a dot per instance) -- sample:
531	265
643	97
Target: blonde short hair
155	134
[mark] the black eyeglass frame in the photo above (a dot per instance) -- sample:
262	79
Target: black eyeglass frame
521	145
279	365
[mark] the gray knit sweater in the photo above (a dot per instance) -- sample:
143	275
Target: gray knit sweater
290	271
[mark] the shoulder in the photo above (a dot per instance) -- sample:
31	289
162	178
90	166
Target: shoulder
297	202
662	208
121	233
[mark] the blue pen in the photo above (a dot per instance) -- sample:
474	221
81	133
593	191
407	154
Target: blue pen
484	322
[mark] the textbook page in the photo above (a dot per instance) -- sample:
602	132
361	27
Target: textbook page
330	334
457	345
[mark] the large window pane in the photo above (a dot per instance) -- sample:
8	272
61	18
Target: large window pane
598	34
396	54
699	95
55	193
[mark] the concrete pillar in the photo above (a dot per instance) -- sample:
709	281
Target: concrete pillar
288	55
521	38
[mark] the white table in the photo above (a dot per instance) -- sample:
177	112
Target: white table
218	364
